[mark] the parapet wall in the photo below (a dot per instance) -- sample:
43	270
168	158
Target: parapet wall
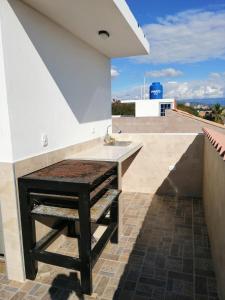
173	122
214	202
169	164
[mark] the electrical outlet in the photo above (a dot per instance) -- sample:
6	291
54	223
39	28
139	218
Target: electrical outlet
44	140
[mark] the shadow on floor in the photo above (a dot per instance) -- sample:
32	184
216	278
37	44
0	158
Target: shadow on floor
61	280
170	257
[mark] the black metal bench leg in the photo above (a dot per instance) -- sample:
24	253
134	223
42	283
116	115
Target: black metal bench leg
85	244
114	215
71	232
28	232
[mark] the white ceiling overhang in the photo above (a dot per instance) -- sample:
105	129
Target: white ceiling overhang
85	18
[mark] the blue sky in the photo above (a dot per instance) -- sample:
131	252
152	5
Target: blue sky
187	40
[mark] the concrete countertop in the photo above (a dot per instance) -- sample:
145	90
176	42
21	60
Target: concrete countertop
108	153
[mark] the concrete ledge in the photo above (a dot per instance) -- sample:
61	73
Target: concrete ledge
181	112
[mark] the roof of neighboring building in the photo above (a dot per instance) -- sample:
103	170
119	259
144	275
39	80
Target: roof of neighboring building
174	122
85	18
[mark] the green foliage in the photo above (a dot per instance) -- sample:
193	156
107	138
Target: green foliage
123	109
217	113
208	116
189	109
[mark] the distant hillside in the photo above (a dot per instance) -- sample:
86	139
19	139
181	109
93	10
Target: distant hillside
207	101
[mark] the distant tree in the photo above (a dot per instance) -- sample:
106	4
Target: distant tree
116	101
208	116
218	113
189	109
123	109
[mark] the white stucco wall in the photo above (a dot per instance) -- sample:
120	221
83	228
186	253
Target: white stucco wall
167	164
56	84
145	108
149	108
5	141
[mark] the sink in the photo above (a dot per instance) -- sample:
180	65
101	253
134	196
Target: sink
119	143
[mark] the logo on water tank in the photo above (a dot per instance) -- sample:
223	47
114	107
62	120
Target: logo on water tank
156	92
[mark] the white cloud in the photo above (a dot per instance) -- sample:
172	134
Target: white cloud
114	72
212	87
215	75
172	82
194	90
169	72
189	36
130	93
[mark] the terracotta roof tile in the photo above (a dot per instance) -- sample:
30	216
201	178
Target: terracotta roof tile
217	140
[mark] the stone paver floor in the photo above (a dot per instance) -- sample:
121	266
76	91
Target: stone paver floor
164	253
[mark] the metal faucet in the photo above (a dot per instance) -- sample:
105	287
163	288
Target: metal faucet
107	137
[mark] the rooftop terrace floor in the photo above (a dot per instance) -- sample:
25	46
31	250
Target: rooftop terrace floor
164	253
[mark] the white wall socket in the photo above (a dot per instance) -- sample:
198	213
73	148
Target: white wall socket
44	140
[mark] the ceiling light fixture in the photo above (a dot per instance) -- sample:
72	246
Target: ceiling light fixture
103	34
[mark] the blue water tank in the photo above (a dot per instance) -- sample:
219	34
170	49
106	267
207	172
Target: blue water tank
156	91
